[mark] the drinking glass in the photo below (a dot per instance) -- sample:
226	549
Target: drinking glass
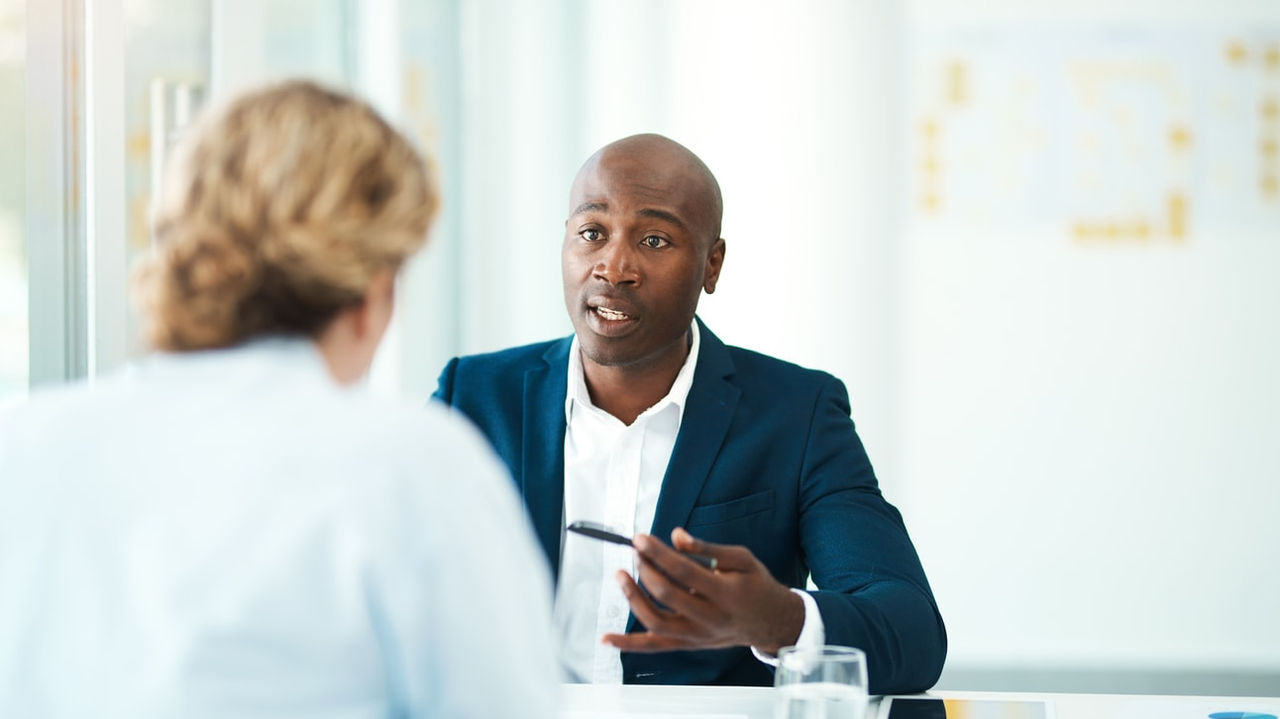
827	682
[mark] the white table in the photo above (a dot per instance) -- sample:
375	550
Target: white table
583	701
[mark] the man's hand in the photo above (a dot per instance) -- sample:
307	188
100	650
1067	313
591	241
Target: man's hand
737	604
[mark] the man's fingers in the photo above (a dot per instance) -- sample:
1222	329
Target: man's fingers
682	600
728	557
647	613
675	565
645	642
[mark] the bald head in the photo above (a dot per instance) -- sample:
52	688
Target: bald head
657	164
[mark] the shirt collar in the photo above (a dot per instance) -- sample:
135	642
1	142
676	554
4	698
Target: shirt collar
678	394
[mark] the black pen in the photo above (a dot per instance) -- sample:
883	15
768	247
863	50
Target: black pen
599	531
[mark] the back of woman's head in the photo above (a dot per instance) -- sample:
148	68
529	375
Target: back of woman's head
276	214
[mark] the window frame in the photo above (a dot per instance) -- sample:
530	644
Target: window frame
74	215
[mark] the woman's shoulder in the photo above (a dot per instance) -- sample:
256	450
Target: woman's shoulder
428	442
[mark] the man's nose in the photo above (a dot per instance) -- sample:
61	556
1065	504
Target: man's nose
616	264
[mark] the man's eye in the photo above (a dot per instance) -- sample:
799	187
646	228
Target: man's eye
654	242
592	235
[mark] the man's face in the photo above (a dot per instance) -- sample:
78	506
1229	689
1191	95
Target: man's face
639	248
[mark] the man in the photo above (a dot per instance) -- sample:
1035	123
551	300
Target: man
645	420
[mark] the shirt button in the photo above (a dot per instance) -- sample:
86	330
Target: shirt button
612	611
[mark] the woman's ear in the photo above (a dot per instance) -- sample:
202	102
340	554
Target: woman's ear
378	305
349	342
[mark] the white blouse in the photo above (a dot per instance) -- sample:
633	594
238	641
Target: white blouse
232	534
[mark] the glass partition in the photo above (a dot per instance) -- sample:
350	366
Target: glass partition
14	332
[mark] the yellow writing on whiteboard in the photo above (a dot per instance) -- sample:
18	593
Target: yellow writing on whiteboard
1177	216
957	83
1115	231
1237	53
1270	109
1271	59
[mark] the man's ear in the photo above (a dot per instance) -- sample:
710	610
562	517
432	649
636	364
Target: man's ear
715	259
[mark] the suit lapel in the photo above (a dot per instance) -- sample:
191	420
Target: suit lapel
542	468
708	413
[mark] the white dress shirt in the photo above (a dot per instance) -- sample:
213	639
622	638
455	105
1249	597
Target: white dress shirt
231	534
613	475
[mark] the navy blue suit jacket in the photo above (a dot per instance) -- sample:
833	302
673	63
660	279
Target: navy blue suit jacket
766	457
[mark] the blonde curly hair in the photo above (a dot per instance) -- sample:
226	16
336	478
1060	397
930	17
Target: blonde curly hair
275	214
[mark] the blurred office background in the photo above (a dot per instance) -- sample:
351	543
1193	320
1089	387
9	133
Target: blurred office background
1040	242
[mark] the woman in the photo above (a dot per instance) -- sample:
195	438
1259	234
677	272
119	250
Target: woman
229	528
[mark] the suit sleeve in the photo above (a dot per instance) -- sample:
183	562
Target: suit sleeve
444	385
872	591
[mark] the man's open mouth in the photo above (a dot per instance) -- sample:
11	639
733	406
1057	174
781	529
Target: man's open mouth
612	315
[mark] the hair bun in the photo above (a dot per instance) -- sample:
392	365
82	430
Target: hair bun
275	215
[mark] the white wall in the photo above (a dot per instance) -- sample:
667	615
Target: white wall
1089	457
